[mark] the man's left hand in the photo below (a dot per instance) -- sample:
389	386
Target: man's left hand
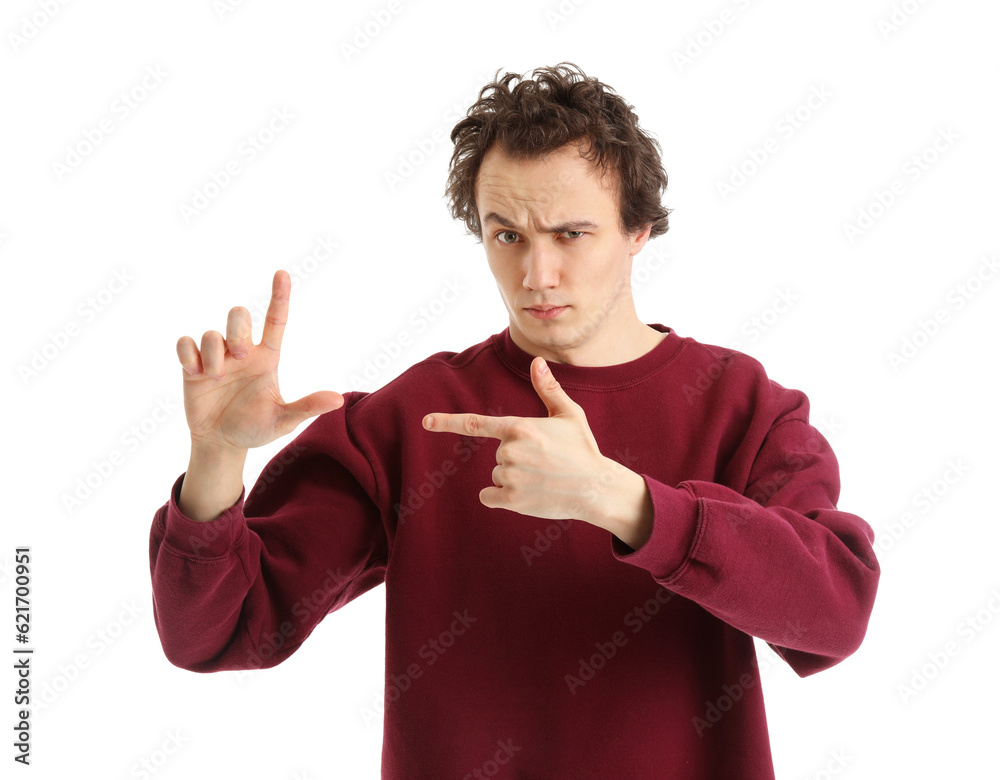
551	467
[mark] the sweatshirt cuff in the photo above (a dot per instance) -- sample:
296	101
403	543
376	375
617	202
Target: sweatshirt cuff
205	540
672	540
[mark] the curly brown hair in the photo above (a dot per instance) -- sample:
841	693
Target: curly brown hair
561	106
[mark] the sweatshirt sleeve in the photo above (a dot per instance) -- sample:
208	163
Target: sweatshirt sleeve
781	562
244	590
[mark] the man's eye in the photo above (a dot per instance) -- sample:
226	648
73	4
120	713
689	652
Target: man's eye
573	235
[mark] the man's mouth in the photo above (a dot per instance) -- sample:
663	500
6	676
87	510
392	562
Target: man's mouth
546	312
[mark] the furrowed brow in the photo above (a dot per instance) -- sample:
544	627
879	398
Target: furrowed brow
562	227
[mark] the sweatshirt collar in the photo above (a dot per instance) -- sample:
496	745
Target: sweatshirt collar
592	377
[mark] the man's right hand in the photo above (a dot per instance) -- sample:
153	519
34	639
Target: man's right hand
231	395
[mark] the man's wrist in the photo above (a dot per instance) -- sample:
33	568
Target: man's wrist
212	483
206	453
628	508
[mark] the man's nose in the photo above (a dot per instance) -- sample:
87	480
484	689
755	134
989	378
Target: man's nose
542	265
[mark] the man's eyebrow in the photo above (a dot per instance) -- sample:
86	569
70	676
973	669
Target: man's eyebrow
562	227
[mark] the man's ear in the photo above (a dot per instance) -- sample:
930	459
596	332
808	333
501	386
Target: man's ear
639	240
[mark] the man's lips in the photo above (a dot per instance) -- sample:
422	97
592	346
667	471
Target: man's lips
546	312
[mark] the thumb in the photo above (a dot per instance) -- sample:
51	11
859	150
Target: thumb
308	406
549	390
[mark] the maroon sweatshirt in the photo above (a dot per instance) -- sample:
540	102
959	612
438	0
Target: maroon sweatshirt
522	647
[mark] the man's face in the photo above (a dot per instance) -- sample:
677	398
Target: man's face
550	229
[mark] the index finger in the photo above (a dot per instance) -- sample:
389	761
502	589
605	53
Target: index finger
277	311
469	424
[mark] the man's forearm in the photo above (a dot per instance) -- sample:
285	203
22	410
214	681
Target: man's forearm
213	482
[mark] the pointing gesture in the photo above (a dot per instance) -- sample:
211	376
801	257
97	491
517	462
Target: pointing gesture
551	467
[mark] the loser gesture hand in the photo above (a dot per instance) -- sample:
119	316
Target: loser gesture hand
231	395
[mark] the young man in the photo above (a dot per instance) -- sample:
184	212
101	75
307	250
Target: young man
581	522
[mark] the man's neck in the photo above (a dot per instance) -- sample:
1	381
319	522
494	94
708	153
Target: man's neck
607	349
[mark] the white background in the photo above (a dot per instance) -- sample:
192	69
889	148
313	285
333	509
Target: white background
897	75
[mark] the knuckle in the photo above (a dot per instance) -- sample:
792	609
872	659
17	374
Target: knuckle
520	428
523	429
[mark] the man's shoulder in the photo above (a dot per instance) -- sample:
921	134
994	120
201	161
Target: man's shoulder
719	374
377	420
717	360
450	360
429	377
442	362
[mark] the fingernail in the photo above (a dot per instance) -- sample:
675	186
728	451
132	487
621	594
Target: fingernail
543	367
